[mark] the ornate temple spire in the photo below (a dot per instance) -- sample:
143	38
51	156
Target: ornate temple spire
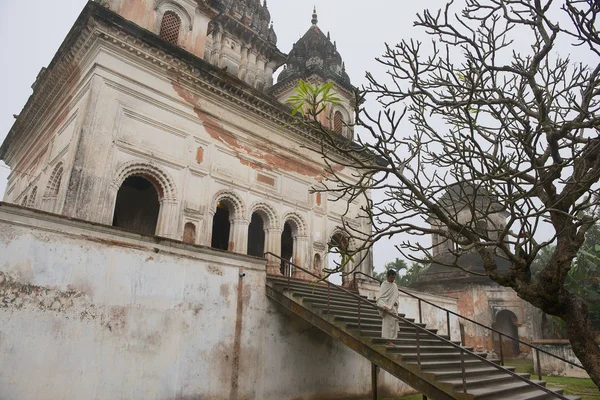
314	19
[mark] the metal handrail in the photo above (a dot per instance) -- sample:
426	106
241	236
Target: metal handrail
448	312
419	329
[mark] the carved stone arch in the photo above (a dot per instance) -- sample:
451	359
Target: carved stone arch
340	231
297	223
32	197
231	199
267	213
185	16
161	179
53	185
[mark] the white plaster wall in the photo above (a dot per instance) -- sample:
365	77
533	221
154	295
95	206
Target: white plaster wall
89	311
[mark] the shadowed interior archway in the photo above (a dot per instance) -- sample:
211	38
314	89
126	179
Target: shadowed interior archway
287	248
506	322
256	236
137	205
221	227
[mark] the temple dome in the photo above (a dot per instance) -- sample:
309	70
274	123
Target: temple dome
315	53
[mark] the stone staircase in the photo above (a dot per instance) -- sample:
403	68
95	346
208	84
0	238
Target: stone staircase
428	362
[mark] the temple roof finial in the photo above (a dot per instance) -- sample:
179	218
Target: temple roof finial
314	19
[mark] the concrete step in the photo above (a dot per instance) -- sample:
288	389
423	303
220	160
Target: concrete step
403	333
424	349
333	302
514	389
334	308
411	341
354	313
321	289
449	365
375	324
475	370
439	356
484	380
325	295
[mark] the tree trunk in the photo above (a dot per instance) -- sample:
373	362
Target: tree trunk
582	336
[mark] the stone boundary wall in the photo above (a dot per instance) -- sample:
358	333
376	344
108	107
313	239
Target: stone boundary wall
555	367
88	311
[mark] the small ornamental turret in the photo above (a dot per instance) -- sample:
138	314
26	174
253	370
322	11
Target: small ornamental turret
314	58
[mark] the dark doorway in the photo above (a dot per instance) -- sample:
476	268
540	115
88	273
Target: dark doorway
256	236
506	323
221	227
137	206
287	249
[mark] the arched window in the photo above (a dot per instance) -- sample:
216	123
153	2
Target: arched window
287	249
221	227
170	27
137	206
54	181
317	264
32	196
256	236
338	123
189	233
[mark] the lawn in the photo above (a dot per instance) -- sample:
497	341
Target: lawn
583	388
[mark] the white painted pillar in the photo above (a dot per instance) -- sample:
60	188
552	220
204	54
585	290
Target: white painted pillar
168	219
273	245
238	236
301	257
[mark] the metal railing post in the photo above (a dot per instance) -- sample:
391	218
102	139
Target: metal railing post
374	381
289	275
328	296
448	324
501	351
464	377
420	313
359	328
539	365
418	348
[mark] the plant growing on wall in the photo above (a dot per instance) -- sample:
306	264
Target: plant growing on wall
504	101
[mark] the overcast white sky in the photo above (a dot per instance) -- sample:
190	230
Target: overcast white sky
31	32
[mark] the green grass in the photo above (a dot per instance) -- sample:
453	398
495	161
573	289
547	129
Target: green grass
583	388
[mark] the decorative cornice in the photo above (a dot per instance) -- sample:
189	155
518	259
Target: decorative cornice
97	22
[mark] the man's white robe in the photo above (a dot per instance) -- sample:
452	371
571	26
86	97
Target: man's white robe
388	297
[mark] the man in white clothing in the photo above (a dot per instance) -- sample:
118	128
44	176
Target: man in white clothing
387	300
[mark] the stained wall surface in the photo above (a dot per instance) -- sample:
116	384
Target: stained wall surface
91	311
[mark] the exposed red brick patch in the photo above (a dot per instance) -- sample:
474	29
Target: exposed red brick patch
318	199
199	155
270	158
265	179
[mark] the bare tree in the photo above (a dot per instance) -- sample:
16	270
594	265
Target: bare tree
491	119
